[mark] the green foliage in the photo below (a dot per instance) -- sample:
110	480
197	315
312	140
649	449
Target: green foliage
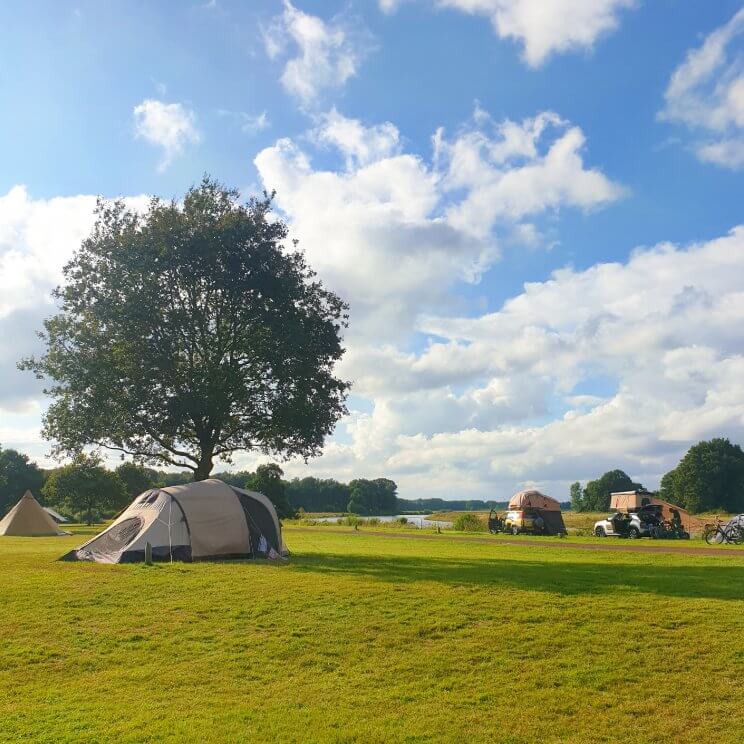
577	497
377	496
84	487
268	480
318	494
329	495
469	522
169	478
17	475
190	333
137	479
596	495
419	506
236	479
709	477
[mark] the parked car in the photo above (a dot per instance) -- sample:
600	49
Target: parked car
644	522
528	521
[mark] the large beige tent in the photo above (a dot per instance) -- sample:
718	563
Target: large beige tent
197	521
28	519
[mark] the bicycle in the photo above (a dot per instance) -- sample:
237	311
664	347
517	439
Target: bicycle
720	533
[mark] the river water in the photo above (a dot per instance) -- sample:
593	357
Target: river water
417	520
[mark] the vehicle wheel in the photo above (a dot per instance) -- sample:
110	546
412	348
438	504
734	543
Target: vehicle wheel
599	531
714	537
634	533
515	530
736	536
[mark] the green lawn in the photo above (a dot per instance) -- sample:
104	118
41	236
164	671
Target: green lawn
372	639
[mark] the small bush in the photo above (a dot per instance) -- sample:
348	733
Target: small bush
402	520
374	521
352	520
469	523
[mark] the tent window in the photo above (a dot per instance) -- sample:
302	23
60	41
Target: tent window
117	537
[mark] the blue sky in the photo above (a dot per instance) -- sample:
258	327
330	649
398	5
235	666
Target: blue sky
90	90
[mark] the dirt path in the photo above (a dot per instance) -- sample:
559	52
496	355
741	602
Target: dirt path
545	542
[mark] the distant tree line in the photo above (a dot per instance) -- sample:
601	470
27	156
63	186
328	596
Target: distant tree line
710	477
433	505
86	490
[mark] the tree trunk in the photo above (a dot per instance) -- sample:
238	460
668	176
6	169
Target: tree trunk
204	468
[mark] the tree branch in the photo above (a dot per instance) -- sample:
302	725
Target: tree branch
150	455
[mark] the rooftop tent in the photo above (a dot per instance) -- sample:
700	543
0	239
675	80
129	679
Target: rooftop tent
625	501
196	521
29	519
629	500
548	508
533	500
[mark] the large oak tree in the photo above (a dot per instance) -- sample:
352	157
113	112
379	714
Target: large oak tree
191	332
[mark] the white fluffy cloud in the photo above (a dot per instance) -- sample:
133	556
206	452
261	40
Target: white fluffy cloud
37	238
327	53
486	404
490	404
393	233
706	92
169	126
360	145
509	173
543	27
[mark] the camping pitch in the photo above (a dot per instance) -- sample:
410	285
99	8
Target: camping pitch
197	521
29	519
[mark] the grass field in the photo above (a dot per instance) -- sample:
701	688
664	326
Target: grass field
360	638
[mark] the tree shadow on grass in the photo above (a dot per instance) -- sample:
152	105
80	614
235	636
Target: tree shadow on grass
713	581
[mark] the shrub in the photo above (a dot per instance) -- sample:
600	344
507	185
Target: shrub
402	520
469	523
